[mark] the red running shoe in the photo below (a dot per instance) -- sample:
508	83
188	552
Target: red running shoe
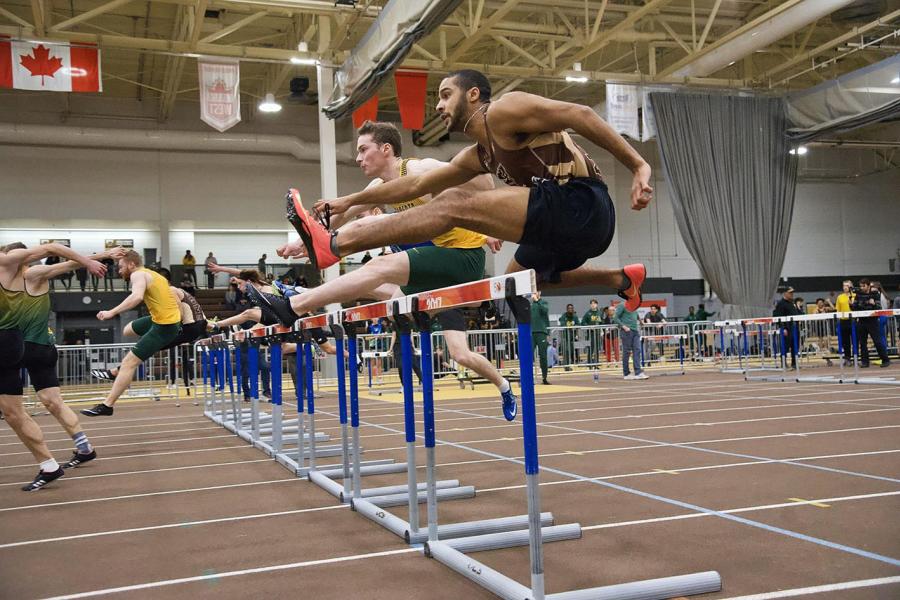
315	236
632	294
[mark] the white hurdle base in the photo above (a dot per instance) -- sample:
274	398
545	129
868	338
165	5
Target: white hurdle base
456	493
504	587
475	528
512	539
374	467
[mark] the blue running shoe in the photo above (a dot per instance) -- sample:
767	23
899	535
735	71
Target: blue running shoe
510	404
287	290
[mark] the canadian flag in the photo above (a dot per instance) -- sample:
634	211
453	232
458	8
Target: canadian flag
49	66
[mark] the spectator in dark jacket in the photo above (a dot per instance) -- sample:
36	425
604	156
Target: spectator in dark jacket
787	307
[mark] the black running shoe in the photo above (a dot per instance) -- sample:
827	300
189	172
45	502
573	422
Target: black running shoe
42	479
101	410
278	305
104	374
78	458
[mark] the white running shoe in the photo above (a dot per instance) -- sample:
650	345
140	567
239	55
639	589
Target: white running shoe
642	375
630	377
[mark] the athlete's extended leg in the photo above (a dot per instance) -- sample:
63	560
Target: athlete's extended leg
126	373
498	213
25	427
627	281
51	398
458	347
390	268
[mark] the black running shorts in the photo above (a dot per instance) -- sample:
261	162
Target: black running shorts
452	320
565	226
12	349
40	360
189	334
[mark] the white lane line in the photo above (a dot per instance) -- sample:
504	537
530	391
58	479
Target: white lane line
161	470
174	525
149	454
216	576
744	509
93	429
212	427
819	589
148	494
666	472
157	442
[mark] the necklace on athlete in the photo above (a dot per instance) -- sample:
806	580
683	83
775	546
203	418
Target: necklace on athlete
482	108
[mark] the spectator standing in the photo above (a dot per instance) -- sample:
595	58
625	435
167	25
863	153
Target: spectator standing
592	318
366	257
190	266
868	298
655	315
787	307
569	320
540	325
842	305
261	265
109	278
81	275
630	334
210	275
702	315
691	316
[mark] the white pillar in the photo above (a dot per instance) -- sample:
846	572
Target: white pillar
327	152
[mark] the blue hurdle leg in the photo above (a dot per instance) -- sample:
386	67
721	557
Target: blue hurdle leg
409	427
253	369
311	403
428	420
342	412
354	412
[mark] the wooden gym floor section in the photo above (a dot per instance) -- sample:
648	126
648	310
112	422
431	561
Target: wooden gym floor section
778	486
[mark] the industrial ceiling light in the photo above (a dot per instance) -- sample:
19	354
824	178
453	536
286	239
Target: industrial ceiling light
799	150
299	60
576	78
269	105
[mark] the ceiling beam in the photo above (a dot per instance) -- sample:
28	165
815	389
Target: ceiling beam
673	35
233	27
37	11
855	32
597	20
483	30
730	36
14	18
709	23
103	8
519	50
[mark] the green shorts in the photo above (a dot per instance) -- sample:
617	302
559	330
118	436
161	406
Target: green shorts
433	267
154	337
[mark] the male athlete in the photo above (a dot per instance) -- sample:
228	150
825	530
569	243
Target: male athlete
26	342
157	331
452	257
558	208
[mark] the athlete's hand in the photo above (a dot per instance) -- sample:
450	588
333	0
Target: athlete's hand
641	192
338	205
105	315
95	268
294	249
115	253
214	268
494	244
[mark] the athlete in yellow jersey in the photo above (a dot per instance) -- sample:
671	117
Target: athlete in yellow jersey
451	258
156	331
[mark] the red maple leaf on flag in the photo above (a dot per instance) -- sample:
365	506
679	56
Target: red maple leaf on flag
40	64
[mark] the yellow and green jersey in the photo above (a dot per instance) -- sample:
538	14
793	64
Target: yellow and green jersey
30	314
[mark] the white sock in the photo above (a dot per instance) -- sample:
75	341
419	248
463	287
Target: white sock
50	466
504	386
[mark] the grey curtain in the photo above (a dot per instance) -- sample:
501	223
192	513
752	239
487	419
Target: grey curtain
726	160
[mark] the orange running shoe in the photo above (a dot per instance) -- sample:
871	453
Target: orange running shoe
632	294
315	236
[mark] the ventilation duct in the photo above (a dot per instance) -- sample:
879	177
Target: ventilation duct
390	38
185	141
765	33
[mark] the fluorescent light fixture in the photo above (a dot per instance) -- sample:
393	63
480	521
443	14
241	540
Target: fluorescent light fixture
572	79
576	66
269	104
799	150
303	61
303	47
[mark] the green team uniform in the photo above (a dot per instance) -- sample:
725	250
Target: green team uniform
593	318
540	324
568	337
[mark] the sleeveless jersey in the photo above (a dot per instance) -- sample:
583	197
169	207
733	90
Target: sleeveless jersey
31	314
550	155
196	309
455	238
160	300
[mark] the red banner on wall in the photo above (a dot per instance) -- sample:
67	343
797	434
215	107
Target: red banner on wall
366	112
411	94
49	66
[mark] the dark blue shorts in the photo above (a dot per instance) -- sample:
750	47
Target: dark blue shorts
565	226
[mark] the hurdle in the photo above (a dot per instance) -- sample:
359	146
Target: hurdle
662	341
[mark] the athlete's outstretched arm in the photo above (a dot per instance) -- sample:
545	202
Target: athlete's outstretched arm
138	287
39	272
27	255
521	112
461	169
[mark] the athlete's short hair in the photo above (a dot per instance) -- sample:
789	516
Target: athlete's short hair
13	246
133	257
254	276
383	133
470	78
